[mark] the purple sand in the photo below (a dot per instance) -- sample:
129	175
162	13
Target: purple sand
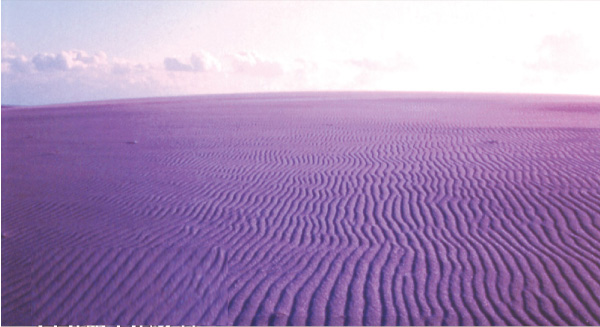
317	208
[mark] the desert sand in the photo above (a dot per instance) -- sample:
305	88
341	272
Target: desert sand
303	209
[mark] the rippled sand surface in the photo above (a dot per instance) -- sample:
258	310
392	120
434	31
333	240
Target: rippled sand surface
303	209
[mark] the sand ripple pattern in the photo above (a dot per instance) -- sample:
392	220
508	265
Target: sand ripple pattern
300	211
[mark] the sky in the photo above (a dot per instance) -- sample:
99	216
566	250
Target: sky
71	51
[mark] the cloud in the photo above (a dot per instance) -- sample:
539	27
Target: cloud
15	64
47	61
204	62
399	62
563	54
75	75
368	73
67	60
245	62
248	62
173	64
11	61
122	67
9	48
199	62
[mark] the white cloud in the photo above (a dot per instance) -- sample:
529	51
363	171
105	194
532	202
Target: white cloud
48	61
249	62
122	66
399	62
15	64
174	64
12	62
199	62
204	62
76	75
9	48
244	63
563	54
68	60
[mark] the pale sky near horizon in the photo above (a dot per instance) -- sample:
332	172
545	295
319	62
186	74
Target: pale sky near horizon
68	51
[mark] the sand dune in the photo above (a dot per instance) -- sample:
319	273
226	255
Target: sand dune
303	209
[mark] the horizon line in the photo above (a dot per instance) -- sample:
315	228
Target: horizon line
275	93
